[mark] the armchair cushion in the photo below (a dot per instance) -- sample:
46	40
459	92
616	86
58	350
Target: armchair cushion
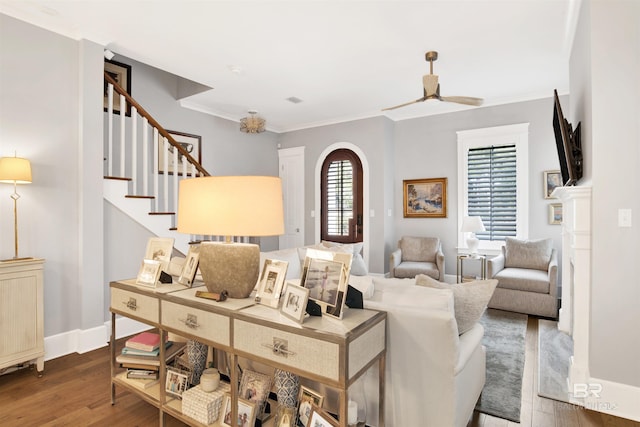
524	279
533	254
419	248
412	269
470	298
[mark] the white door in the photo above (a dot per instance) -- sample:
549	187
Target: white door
291	167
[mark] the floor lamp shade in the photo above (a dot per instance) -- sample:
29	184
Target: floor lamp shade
15	170
230	206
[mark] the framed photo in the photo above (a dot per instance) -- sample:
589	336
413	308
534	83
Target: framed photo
555	213
160	249
191	143
176	383
121	73
321	418
149	273
255	387
190	266
552	179
425	198
326	275
307	398
271	282
246	412
294	302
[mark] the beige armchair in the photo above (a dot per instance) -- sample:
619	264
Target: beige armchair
417	255
527	273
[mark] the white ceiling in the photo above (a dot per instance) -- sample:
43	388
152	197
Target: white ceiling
345	59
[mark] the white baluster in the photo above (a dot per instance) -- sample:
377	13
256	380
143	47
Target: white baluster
156	144
174	181
123	110
145	156
134	149
165	180
110	129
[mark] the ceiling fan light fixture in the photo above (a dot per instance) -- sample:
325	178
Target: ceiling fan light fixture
252	123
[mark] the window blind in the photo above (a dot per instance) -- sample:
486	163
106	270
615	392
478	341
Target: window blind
339	197
492	190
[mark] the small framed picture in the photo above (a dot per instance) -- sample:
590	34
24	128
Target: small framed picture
321	418
425	198
160	249
555	213
255	388
190	266
246	412
176	383
271	282
307	398
294	302
552	179
121	73
191	144
149	273
326	275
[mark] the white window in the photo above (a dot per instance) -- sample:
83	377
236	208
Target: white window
493	184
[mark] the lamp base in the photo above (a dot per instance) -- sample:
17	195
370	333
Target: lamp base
472	244
231	267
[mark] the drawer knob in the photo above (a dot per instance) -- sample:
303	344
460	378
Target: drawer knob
191	321
279	347
131	304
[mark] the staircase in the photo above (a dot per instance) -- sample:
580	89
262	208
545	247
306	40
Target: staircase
133	182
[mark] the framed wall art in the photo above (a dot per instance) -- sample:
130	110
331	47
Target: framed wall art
555	213
425	198
121	73
551	180
190	266
191	144
294	302
271	282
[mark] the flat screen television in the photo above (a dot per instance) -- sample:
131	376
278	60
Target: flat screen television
568	145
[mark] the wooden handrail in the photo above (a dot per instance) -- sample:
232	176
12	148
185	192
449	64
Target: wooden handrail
155	124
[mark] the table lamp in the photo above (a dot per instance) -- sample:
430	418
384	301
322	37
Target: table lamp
15	170
230	206
472	225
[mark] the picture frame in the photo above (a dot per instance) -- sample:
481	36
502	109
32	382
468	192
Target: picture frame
271	282
551	180
191	143
176	383
246	412
149	273
190	266
555	213
255	388
321	418
159	249
121	73
326	275
294	302
307	398
425	198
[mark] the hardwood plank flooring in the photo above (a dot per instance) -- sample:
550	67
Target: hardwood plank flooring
74	391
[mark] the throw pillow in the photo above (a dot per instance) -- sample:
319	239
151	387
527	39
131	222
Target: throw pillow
470	299
358	266
534	254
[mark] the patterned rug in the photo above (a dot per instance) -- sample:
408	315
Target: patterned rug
554	351
504	339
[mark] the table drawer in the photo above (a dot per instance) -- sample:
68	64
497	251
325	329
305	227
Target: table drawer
206	325
314	356
136	305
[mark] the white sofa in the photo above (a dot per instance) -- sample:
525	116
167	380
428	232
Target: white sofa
433	376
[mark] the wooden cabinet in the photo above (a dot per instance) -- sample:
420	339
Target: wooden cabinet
333	352
21	313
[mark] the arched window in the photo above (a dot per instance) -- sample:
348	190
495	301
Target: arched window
341	197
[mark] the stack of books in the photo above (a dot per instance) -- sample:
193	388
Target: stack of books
141	357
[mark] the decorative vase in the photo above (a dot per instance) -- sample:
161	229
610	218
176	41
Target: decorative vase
287	386
209	380
197	357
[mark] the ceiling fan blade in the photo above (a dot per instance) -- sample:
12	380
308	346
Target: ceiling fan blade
405	104
430	83
467	100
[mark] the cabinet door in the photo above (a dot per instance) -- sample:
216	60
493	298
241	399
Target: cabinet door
18	315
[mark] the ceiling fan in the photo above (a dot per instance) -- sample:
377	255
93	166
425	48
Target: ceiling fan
431	88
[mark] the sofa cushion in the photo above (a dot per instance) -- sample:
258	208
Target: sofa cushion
364	284
524	279
470	298
402	293
418	248
410	269
534	254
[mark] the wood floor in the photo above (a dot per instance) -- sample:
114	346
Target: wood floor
74	391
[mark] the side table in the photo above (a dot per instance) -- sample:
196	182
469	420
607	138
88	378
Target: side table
465	257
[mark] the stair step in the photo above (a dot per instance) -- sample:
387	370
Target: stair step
118	178
131	196
162	213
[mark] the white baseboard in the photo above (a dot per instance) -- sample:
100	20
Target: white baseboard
82	341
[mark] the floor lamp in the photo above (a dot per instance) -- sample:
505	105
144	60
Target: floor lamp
15	170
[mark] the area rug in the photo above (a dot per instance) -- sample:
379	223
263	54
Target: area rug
554	351
504	339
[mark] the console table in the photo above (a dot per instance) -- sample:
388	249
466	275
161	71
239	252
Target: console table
331	351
